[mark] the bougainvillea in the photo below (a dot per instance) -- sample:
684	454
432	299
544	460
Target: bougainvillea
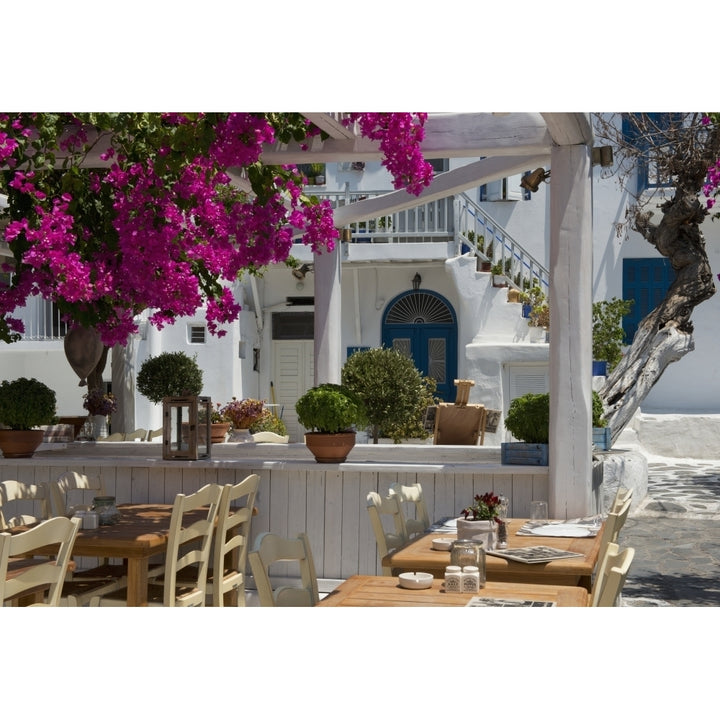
110	214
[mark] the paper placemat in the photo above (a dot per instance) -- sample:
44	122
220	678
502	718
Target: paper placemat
534	554
579	527
506	602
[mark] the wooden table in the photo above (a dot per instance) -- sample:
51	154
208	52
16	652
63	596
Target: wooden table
419	555
384	591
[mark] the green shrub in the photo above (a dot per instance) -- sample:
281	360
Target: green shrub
329	408
395	393
528	418
608	334
26	403
170	374
269	422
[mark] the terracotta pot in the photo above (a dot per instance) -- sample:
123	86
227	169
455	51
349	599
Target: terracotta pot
20	443
218	431
330	447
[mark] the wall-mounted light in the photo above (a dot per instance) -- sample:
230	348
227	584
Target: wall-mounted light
416	282
532	181
602	156
302	271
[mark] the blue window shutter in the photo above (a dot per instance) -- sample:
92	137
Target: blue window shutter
646	281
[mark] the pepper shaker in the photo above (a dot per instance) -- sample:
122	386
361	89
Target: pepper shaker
453	579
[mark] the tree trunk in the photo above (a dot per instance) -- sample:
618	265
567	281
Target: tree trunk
664	335
95	377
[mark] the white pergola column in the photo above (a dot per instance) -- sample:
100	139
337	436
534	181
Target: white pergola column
570	479
328	309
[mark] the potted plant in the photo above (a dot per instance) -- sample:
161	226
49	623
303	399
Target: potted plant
99	405
169	374
330	412
536	310
608	333
528	419
479	519
601	432
25	403
395	394
241	414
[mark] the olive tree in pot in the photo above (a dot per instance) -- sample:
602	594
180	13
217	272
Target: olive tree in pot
25	403
330	412
395	393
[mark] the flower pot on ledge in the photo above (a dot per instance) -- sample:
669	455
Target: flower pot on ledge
330	447
20	443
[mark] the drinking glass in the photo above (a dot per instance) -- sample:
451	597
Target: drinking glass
538	510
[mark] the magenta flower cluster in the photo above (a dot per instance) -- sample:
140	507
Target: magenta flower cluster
169	233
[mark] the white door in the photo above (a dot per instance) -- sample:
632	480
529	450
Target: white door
293	375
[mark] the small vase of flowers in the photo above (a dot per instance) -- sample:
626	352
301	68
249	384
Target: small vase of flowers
479	520
242	413
97	402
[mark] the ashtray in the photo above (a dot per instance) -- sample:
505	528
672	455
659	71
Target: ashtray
415	580
441	544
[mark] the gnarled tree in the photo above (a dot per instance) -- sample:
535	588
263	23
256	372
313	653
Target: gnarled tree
678	148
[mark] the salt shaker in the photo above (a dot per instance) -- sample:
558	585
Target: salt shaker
453	579
470	579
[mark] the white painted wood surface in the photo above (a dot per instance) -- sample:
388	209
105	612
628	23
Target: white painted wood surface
328	502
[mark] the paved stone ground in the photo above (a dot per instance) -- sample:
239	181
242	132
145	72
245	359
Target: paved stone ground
676	535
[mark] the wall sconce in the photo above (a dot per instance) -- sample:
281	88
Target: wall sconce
416	282
532	181
302	271
186	428
602	156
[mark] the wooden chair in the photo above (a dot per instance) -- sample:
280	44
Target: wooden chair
231	537
152	434
611	576
113	437
69	486
459	423
17	498
189	543
621	496
270	549
420	523
387	542
45	576
139	434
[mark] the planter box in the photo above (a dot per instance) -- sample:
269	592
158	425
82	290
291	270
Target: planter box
518	453
601	438
599	367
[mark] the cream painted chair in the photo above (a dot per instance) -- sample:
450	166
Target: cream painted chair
270	549
387	541
621	496
139	434
17	499
113	437
71	486
611	576
413	494
49	575
152	434
189	545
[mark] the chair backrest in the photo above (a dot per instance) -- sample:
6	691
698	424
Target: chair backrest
16	498
67	487
231	536
269	549
189	546
459	424
152	434
621	496
50	574
611	576
387	541
139	434
420	523
113	437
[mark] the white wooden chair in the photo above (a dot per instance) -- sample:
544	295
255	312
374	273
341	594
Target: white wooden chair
189	543
621	496
71	485
420	523
22	504
387	541
139	434
611	576
113	437
231	536
270	549
48	575
152	434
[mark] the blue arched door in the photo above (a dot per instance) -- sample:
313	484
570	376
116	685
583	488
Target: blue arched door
421	324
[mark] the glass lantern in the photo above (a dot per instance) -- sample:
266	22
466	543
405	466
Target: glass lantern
186	428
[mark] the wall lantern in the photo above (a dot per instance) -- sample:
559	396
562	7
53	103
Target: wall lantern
186	428
532	181
416	282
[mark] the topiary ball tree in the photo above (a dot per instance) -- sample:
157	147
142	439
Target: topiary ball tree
170	374
393	390
528	418
26	403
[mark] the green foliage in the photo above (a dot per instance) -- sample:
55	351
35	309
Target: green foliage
26	403
539	307
269	422
528	417
169	374
330	408
598	410
608	333
394	391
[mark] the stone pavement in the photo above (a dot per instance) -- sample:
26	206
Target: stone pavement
676	535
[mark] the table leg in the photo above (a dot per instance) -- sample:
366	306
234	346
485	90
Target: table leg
137	578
